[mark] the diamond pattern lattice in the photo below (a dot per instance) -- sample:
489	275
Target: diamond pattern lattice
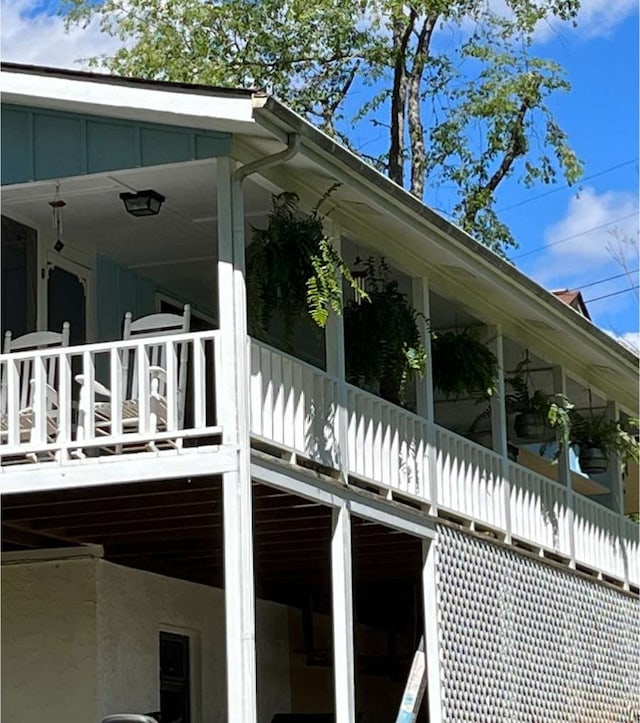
522	641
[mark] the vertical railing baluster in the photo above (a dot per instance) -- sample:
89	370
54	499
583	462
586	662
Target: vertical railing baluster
142	366
13	399
64	397
117	391
87	396
172	381
199	387
39	402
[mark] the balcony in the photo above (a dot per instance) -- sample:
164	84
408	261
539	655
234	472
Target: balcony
78	405
304	414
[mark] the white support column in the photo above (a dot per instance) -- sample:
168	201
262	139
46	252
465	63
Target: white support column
237	499
342	597
499	425
425	391
334	338
431	642
564	468
498	408
421	300
226	406
239	601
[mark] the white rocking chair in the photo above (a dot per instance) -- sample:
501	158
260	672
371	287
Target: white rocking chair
28	424
157	415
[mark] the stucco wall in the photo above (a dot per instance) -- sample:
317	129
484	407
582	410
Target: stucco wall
49	642
80	640
134	606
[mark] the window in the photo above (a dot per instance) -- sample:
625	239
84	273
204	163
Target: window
174	678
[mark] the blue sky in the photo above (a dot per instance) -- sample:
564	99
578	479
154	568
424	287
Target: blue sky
567	236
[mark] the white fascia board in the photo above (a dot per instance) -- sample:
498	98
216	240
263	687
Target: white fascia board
231	113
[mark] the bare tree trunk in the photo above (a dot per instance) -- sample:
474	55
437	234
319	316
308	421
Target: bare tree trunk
401	35
414	107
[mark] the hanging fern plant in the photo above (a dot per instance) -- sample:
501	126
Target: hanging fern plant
382	337
463	366
292	269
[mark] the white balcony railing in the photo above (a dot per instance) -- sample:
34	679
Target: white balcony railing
296	406
109	397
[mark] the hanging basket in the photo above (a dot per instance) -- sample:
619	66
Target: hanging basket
593	460
531	428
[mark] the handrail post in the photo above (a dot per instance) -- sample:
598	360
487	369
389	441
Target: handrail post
425	391
334	337
564	469
499	426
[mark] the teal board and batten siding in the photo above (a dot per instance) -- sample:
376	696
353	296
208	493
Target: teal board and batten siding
40	144
119	290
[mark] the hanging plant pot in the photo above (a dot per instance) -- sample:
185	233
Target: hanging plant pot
593	460
530	428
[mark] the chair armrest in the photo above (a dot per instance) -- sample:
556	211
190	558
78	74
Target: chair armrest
97	387
52	395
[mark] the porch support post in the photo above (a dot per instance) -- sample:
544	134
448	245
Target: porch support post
499	427
614	472
237	500
564	468
342	596
431	642
425	405
334	339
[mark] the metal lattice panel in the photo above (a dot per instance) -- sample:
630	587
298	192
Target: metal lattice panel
522	641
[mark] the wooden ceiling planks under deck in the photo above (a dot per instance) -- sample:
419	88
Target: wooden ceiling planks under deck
174	527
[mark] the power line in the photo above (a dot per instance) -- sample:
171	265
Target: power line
566	185
602	281
544	247
615	293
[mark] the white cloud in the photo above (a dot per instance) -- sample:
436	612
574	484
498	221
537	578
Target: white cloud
596	18
38	38
590	227
630	339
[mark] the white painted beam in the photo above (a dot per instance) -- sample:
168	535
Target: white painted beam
313	487
342	598
119	469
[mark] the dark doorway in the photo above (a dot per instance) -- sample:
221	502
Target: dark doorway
19	277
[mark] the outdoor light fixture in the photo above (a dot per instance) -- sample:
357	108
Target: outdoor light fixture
142	203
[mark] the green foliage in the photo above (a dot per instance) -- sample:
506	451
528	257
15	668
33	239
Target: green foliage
293	268
382	337
554	410
468	111
597	431
462	364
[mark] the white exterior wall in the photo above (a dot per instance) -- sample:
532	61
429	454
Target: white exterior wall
81	640
49	642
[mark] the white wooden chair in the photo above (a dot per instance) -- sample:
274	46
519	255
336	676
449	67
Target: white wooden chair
26	385
154	399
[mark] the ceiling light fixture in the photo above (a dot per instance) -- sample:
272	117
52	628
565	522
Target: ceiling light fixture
143	203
